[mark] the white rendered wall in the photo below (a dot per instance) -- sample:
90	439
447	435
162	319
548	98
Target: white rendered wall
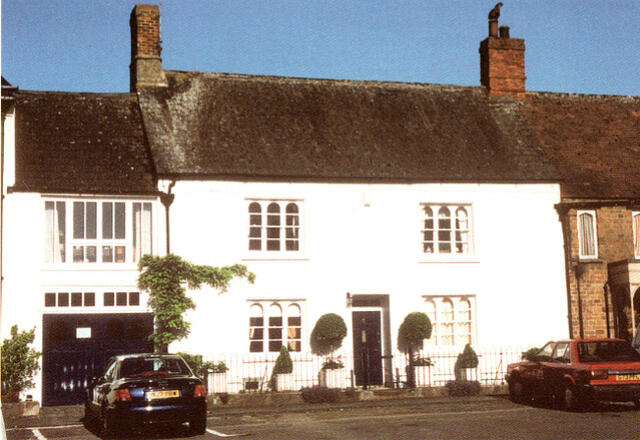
365	239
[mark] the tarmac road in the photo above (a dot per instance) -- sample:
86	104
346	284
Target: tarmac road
491	418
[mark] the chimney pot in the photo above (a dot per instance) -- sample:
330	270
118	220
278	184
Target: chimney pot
504	32
493	28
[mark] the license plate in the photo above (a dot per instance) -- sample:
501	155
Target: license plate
164	394
626	377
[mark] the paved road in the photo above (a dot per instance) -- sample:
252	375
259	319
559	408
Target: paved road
489	419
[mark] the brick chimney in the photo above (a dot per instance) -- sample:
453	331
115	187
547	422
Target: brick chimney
146	64
502	60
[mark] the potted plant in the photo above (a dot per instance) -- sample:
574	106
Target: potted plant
217	377
466	360
282	374
415	328
421	367
326	337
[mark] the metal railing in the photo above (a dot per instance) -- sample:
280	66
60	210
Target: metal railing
251	372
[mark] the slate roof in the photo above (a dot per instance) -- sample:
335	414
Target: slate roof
81	143
593	140
222	126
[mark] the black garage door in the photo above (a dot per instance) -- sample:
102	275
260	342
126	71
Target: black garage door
77	346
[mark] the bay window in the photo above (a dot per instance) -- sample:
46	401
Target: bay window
101	231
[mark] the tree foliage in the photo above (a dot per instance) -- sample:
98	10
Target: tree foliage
415	328
19	361
165	279
328	333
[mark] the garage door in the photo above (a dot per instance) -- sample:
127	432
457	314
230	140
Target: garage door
77	346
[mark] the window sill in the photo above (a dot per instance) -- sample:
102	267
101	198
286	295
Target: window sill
87	267
279	256
423	259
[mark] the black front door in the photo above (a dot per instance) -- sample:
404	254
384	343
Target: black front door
77	346
367	348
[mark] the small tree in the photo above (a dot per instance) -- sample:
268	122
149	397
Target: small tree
19	362
327	336
165	278
415	328
283	365
466	360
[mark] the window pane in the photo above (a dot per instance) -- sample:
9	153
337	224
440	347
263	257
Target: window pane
63	300
91	254
78	254
134	298
256	333
636	234
107	220
275	321
294	320
109	298
89	299
91	214
78	220
256	346
256	321
587	239
49	299
275	333
76	299
120	254
274	346
107	254
121	299
119	216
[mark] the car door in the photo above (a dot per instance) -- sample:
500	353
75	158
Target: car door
540	368
558	367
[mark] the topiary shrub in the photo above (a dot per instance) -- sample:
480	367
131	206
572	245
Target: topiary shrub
467	359
460	388
19	363
415	328
319	394
328	333
283	365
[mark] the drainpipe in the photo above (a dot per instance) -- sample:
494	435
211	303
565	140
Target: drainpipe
607	298
579	270
167	199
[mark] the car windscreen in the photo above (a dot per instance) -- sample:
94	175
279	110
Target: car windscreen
153	366
607	351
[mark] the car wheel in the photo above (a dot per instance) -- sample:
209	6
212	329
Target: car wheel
109	427
518	392
570	399
198	427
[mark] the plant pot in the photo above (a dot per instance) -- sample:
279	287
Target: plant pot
332	378
422	376
285	382
217	383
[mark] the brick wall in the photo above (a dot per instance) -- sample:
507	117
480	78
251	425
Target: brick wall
502	66
145	31
590	299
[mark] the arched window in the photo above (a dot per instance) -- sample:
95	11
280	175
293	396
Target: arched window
464	322
462	231
587	234
292	228
447	321
273	227
275	327
256	328
428	231
255	227
294	328
433	317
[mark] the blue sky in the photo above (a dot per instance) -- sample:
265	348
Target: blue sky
577	46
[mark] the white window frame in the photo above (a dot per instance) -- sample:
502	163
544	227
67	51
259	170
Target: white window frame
59	239
286	232
268	306
98	300
430	235
580	231
635	220
460	336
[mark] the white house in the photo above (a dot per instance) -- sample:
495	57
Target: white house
366	199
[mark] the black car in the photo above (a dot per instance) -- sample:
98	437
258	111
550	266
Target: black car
142	389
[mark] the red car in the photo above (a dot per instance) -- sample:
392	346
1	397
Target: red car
577	372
